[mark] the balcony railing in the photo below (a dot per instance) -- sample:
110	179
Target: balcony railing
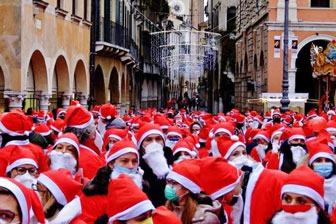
113	33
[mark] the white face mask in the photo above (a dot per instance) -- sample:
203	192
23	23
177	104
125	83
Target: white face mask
26	179
308	217
298	152
181	158
170	143
154	157
241	161
62	160
136	176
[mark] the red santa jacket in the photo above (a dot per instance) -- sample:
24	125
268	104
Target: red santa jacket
90	160
262	199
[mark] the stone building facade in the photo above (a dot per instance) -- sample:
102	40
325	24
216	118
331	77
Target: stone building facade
258	70
44	53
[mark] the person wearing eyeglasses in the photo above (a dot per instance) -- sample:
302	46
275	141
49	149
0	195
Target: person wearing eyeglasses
17	203
22	166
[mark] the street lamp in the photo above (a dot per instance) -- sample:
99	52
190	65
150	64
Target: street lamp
285	100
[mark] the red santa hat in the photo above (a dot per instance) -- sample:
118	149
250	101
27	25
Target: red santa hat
298	183
78	117
20	156
276	129
218	185
115	133
263	134
276	112
187	174
225	127
42	129
108	111
296	133
331	126
61	185
96	109
162	121
312	113
226	145
59	112
162	215
121	148
69	138
131	202
57	125
319	149
15	124
146	130
23	196
41	115
184	146
331	112
267	115
203	135
174	130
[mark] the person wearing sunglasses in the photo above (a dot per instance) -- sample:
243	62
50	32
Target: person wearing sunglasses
22	166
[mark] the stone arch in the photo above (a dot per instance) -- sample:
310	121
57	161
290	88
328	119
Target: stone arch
304	81
255	65
6	74
36	81
114	87
123	88
99	86
80	82
60	82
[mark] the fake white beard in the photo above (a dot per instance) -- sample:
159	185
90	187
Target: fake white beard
136	177
275	147
330	192
240	161
101	127
297	153
237	210
155	159
308	217
26	179
60	160
214	148
99	141
181	158
261	151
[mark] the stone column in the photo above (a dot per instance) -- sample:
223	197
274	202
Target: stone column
291	80
44	100
221	105
118	105
15	99
83	98
66	100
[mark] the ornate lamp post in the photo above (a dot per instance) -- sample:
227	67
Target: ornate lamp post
285	100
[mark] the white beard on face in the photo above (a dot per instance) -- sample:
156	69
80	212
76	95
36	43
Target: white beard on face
241	161
275	147
237	210
26	179
171	144
214	148
154	157
261	151
297	153
308	217
136	177
101	127
60	160
99	141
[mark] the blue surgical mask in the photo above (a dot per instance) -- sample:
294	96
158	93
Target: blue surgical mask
120	169
324	169
170	193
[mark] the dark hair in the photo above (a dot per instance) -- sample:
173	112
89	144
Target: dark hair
323	217
50	212
99	184
83	134
288	164
197	123
7	138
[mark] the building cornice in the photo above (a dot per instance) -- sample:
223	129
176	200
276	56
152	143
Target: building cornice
302	26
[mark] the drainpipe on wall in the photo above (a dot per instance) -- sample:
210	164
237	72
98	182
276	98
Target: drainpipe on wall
94	13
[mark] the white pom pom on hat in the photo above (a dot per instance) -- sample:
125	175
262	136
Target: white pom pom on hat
234	138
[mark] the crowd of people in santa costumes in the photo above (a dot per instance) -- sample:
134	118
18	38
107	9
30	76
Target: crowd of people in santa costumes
167	166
